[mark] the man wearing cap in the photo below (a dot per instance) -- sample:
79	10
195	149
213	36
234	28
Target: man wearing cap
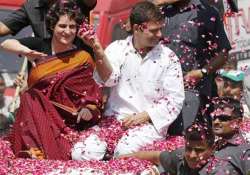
231	83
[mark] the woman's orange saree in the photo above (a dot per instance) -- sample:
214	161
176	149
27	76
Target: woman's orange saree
58	88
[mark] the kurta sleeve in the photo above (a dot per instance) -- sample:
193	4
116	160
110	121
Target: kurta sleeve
165	111
112	52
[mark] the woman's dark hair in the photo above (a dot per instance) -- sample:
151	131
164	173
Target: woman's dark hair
63	7
199	131
144	12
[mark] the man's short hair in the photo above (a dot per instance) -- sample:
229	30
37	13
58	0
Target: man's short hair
144	12
222	102
200	131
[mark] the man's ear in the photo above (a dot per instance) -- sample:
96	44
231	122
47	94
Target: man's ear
238	122
137	28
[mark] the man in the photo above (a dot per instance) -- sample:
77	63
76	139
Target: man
33	13
228	155
146	86
219	4
230	83
195	32
191	160
230	145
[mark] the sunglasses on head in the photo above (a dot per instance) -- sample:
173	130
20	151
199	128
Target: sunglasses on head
223	118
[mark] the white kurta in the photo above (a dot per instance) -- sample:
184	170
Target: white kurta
153	84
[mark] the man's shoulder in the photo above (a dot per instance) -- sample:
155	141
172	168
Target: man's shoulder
120	44
220	167
232	150
235	154
175	154
166	52
171	161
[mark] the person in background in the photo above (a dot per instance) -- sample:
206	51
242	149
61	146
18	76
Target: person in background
230	145
5	100
193	159
195	32
146	88
230	83
62	96
219	150
4	120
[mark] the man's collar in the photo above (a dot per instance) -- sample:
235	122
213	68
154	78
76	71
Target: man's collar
185	168
236	140
130	44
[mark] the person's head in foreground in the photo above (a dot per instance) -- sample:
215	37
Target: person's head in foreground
226	116
63	20
199	141
146	21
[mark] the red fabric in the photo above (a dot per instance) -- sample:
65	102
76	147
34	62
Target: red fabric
41	125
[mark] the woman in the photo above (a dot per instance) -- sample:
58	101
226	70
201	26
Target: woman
62	94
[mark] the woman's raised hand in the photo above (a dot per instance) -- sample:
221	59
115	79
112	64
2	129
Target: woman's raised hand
33	55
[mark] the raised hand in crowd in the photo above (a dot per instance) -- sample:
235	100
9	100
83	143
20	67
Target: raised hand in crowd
88	36
20	49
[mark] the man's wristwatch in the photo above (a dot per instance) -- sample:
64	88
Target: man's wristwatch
204	72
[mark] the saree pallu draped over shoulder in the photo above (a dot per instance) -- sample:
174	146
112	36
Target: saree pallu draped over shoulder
58	88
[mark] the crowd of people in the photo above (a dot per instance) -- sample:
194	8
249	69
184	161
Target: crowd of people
171	76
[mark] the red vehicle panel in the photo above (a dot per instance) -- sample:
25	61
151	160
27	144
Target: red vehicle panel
107	18
11	4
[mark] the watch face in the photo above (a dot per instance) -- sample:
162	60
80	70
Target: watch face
204	71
